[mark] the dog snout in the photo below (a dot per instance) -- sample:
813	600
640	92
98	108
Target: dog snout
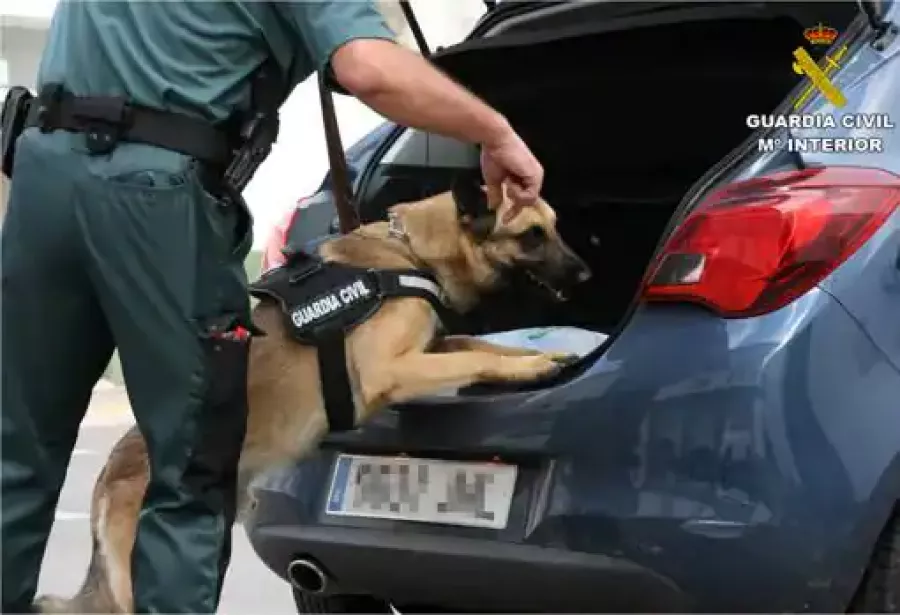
575	270
579	273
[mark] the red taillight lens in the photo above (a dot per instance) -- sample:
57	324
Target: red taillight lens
273	255
754	246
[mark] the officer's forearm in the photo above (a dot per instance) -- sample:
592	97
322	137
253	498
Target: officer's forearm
407	89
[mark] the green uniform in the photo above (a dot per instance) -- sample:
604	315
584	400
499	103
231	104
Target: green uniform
130	250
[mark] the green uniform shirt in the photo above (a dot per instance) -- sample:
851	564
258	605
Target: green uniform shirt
195	56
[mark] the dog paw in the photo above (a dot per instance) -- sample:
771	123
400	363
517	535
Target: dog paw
563	358
532	367
52	604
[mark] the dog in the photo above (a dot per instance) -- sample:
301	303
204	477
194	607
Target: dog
393	356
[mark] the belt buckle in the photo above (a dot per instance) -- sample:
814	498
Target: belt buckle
105	120
374	279
311	267
101	138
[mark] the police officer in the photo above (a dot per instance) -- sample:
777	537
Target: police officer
122	233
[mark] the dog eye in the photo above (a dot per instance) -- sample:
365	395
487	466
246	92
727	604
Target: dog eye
533	238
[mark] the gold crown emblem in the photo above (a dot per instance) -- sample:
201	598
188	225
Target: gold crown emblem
820	35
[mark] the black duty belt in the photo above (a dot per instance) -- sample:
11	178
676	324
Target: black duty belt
106	120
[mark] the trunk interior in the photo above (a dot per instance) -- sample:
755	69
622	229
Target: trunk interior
624	123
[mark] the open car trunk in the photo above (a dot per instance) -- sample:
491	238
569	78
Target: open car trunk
625	122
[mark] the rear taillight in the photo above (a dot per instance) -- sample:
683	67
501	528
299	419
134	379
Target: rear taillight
273	255
754	246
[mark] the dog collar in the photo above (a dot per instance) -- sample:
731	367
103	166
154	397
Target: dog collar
395	227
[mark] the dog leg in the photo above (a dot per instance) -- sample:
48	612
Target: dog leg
414	374
115	506
458	343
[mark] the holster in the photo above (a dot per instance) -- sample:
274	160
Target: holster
258	129
257	137
13	119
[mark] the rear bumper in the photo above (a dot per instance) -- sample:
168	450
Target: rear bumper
466	574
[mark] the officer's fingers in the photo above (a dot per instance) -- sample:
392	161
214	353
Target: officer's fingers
534	181
522	193
520	196
494	194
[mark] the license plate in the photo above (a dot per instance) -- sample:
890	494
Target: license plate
423	490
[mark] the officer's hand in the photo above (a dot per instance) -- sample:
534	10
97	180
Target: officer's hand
509	160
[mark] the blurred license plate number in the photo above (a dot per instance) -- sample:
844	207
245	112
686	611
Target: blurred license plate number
424	490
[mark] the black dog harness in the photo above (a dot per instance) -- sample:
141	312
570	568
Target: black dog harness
323	301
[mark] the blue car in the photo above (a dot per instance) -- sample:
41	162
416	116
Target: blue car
731	441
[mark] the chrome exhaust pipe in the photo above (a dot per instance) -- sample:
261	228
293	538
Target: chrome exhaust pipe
306	575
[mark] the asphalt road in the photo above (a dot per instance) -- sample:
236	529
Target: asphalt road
250	587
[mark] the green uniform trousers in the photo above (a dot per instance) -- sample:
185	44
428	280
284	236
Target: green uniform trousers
127	251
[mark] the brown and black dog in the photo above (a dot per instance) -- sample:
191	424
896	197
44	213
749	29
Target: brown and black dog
393	356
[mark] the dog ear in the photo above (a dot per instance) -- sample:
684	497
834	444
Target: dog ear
471	200
472	205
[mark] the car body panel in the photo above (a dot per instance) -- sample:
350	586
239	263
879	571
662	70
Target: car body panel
868	286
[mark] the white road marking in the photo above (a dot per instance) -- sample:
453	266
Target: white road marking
108	419
66	515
